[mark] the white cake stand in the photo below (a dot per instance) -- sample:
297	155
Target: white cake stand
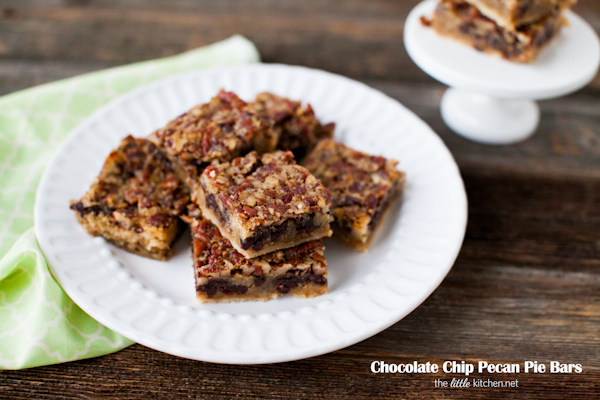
490	99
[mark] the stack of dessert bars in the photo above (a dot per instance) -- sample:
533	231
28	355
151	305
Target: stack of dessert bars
228	169
516	30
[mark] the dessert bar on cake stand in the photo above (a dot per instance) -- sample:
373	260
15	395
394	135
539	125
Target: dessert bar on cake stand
492	100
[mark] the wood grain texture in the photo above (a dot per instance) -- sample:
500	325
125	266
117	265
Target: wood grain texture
526	284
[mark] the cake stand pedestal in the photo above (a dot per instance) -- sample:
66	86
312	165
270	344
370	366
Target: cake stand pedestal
491	100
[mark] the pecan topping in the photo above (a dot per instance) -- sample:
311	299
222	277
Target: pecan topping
299	129
219	130
159	219
268	188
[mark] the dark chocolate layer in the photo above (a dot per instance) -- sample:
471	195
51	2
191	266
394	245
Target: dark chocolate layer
275	232
283	284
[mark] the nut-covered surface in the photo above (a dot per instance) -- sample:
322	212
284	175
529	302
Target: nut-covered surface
463	22
298	129
361	188
264	203
512	14
136	200
223	274
220	130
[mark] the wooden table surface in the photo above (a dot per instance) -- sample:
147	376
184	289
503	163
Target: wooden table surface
526	284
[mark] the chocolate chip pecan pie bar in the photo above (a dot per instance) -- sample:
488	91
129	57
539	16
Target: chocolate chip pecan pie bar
512	14
135	201
298	129
224	275
361	186
461	21
264	203
218	131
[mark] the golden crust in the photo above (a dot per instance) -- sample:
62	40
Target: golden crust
254	293
154	243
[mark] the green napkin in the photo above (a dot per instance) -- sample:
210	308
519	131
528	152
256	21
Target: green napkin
39	324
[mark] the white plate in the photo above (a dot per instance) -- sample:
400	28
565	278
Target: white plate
153	303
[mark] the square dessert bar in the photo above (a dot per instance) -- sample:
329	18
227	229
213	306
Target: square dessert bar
361	186
224	275
264	203
218	131
512	14
298	129
463	22
135	201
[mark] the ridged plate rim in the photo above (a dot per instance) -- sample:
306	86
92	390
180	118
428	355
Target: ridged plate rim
345	316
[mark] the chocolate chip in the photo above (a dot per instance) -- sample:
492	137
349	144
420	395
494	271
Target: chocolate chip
106	210
275	232
209	289
495	42
95	209
211	202
78	207
284	284
317	279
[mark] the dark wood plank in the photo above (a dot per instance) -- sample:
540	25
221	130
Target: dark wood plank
323	34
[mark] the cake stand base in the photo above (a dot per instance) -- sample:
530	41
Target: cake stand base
501	112
489	120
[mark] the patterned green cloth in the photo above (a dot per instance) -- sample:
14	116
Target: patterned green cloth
39	324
